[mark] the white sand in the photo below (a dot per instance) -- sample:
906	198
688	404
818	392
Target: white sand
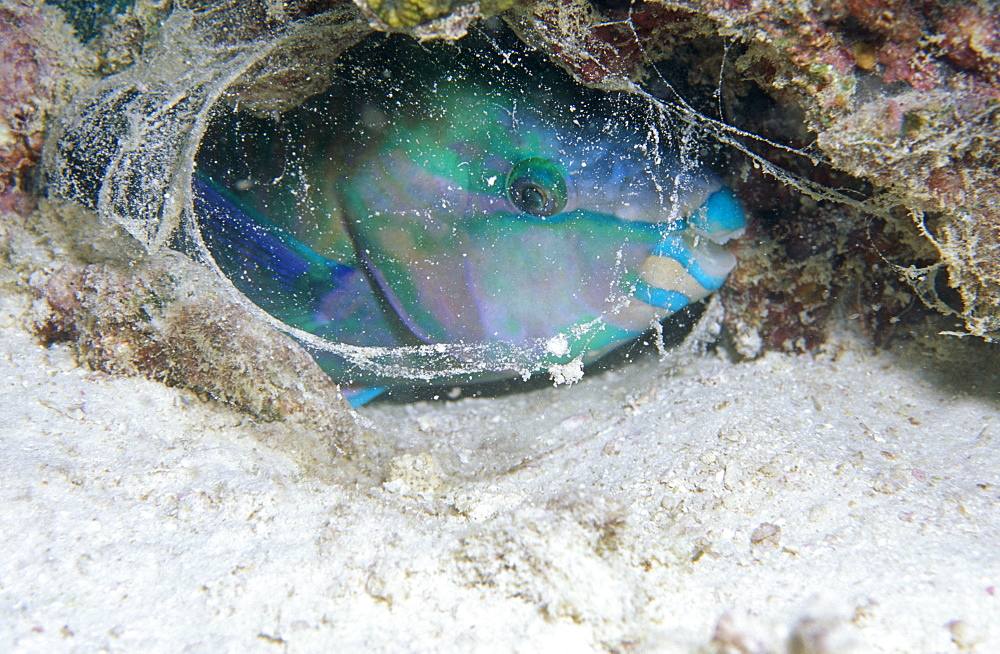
620	513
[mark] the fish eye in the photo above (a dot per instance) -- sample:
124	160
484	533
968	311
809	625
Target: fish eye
537	187
531	198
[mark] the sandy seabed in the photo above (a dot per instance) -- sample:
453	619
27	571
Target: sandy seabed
830	503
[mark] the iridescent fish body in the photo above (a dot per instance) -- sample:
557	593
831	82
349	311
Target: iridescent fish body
456	195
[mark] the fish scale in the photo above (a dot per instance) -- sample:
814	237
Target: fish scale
449	195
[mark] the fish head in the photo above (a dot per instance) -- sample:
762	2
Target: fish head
525	215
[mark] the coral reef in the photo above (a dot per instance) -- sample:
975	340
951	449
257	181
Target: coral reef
884	101
409	14
806	265
28	69
762	489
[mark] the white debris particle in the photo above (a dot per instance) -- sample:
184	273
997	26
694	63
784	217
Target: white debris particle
558	345
567	373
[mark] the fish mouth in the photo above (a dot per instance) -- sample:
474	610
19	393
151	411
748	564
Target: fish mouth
687	265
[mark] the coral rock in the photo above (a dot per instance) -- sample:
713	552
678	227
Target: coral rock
27	73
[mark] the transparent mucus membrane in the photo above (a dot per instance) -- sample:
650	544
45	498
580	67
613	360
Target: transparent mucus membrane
443	213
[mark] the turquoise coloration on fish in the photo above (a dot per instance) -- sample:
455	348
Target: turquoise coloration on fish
452	195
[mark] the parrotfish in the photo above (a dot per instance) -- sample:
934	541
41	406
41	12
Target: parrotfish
461	194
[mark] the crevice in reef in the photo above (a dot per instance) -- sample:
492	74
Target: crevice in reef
901	110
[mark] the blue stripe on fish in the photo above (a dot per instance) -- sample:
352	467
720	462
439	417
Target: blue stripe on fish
333	300
658	297
247	245
358	397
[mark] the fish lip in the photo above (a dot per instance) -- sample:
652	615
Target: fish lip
720	238
714	260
